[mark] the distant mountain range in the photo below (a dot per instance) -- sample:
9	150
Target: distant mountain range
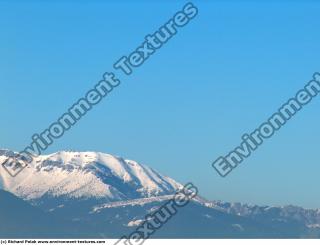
95	195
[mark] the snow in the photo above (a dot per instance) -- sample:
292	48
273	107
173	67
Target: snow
135	222
133	202
86	175
238	226
314	226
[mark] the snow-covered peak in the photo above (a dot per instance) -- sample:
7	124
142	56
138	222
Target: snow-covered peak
86	175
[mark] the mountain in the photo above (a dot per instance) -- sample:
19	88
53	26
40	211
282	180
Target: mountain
21	220
309	217
84	175
97	195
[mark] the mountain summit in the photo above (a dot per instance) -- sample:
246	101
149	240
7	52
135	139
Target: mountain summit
86	175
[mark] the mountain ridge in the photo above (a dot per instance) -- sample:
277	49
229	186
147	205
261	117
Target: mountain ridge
108	196
86	175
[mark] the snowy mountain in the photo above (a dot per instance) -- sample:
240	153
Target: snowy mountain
97	195
85	175
309	217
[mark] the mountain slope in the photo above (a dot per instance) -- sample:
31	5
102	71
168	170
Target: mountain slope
83	175
21	220
97	195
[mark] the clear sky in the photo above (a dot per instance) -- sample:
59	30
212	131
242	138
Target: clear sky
221	76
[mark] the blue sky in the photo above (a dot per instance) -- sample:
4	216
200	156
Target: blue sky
221	76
